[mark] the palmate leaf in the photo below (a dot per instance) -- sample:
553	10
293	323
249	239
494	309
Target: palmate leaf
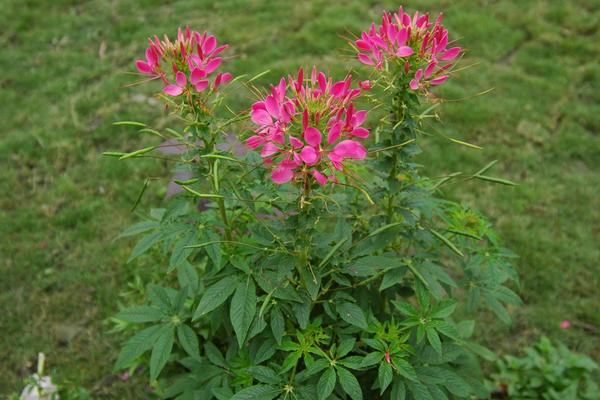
257	392
243	308
141	314
188	340
352	314
215	295
384	375
349	384
144	244
137	345
326	383
277	324
161	351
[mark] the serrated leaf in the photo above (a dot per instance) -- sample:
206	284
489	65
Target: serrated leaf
384	375
243	308
443	309
188	340
161	351
434	340
277	324
144	244
326	384
257	392
138	228
371	359
181	251
214	355
215	296
137	345
158	297
419	391
345	347
264	374
264	352
392	277
350	384
317	366
405	308
187	276
405	369
352	314
141	314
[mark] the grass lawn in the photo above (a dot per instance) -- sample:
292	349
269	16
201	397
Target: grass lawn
64	64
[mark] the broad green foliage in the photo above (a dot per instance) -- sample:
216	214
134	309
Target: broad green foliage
339	289
546	371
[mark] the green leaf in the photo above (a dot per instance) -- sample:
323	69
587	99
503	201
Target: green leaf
187	276
371	359
446	329
277	324
352	314
326	384
422	295
141	314
350	384
137	345
481	351
258	392
145	244
317	366
138	228
434	340
332	252
161	351
345	347
405	369
214	355
419	391
392	277
215	295
498	308
188	340
264	374
370	265
158	297
443	309
405	308
384	375
181	251
243	308
398	390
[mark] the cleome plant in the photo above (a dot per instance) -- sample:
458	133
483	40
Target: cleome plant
306	256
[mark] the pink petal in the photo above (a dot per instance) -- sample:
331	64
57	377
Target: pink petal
209	45
350	149
404	51
254	141
296	143
197	75
269	149
363	45
213	64
261	117
322	82
272	106
419	74
362	133
359	117
282	175
430	68
180	79
338	89
439	80
202	85
319	177
365	85
401	37
143	67
414	84
312	136
450	54
309	155
151	56
226	77
363	58
304	120
173	90
334	133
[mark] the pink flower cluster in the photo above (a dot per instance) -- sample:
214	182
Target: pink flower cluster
420	47
192	59
308	128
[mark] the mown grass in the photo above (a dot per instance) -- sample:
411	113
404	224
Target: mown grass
64	66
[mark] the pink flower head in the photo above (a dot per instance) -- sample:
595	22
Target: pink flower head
566	324
418	46
308	128
186	64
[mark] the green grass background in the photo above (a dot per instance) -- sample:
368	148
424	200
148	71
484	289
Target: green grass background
63	67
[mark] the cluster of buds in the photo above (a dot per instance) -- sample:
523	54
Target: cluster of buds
307	128
418	46
185	65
